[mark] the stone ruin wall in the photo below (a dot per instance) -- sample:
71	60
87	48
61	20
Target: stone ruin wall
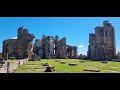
9	46
20	47
61	52
53	47
48	47
24	41
102	43
9	67
71	52
44	47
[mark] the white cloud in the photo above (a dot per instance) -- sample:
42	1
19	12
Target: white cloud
81	46
14	38
82	50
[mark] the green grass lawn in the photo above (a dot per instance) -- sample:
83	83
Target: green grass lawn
14	60
65	68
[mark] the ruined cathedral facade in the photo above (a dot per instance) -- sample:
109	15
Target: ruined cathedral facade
48	47
19	48
102	43
51	47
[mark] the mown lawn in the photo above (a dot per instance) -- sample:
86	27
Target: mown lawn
65	68
14	60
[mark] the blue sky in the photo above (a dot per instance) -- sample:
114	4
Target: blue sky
75	29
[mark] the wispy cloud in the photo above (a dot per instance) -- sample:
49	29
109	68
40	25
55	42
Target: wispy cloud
81	46
14	38
82	50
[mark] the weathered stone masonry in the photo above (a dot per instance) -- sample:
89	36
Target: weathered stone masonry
50	47
9	67
102	43
19	48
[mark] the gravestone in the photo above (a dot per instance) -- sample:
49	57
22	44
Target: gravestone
104	61
72	64
52	67
82	61
63	62
92	69
26	69
39	69
57	60
48	69
45	64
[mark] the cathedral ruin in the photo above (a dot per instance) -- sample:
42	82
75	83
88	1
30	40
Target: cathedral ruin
19	48
49	47
102	43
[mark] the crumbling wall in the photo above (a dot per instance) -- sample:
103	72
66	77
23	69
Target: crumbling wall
9	67
48	47
20	47
3	70
9	46
24	43
71	52
102	44
61	52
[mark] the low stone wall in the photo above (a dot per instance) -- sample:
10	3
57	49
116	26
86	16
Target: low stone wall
9	67
21	62
12	66
3	70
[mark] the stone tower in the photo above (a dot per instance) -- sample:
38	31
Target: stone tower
102	44
24	41
19	48
61	48
47	47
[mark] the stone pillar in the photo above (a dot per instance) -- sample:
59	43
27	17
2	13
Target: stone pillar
6	56
75	52
56	46
30	54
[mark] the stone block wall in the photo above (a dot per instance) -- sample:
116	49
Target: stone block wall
12	66
3	70
102	44
9	67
